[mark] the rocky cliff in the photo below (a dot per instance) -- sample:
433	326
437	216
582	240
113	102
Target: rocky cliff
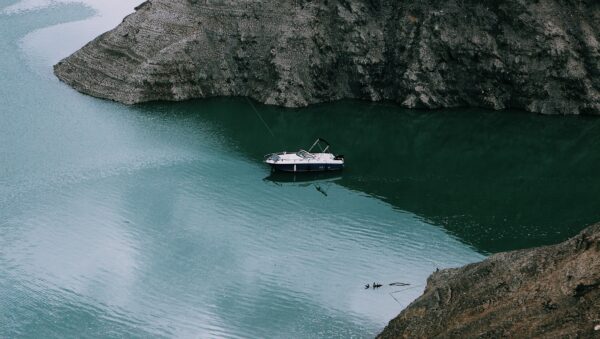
538	55
546	292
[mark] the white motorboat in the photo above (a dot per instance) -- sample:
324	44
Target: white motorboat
306	161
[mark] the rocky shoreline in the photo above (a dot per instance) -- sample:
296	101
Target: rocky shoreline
545	292
540	56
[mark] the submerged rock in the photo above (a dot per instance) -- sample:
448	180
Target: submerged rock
550	292
538	55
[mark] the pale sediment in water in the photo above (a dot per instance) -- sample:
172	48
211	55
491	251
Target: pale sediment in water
154	220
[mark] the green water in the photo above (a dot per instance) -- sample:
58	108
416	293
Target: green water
160	220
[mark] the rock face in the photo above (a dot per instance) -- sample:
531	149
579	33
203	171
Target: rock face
538	55
550	292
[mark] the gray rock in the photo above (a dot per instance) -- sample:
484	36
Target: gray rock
538	55
545	292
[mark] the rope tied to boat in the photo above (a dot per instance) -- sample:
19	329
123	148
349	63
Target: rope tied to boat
262	120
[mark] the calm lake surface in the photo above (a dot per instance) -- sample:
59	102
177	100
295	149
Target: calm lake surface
161	220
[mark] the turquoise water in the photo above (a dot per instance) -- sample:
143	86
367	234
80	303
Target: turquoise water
159	220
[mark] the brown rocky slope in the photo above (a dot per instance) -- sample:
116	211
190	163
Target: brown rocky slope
549	292
538	55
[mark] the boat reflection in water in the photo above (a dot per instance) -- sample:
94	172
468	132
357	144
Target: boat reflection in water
320	180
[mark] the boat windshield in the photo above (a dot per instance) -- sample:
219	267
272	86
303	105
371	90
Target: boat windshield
304	154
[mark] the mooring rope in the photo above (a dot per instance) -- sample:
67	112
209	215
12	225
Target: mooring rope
261	119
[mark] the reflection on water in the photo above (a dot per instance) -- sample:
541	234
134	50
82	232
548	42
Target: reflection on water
496	180
162	220
155	220
321	181
304	178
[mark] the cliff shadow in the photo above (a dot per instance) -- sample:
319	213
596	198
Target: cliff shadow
496	180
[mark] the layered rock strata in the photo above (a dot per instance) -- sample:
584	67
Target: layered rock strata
538	55
546	292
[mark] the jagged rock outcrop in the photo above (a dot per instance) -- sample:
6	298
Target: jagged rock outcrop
545	292
538	55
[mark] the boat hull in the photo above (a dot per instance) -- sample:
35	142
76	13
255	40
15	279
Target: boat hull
306	167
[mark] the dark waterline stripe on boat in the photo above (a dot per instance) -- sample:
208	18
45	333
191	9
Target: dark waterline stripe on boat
307	167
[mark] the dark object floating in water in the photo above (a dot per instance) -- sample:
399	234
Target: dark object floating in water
305	161
378	285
